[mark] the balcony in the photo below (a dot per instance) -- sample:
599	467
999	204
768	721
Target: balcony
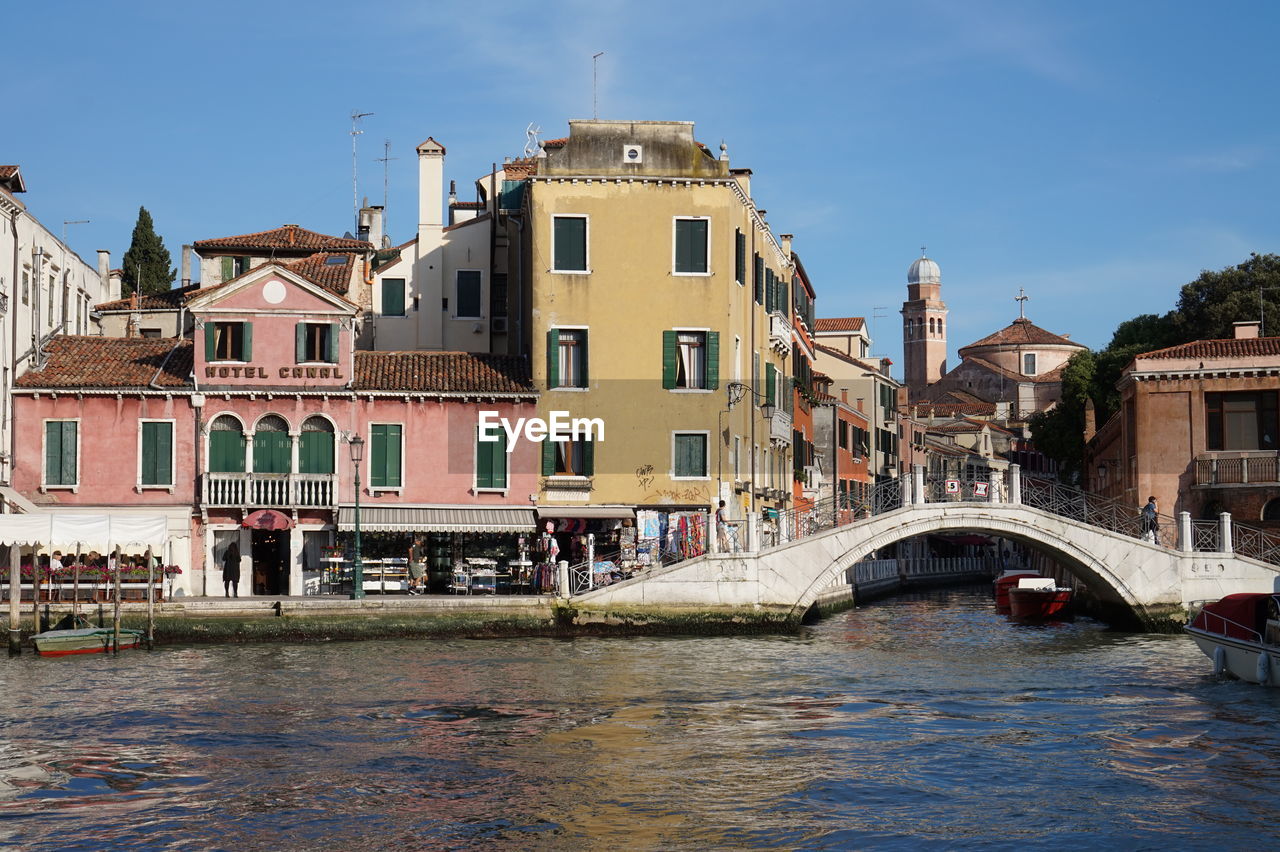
1237	468
780	333
780	427
279	490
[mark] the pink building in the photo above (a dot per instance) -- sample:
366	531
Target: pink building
250	428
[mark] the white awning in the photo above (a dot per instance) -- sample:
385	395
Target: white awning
102	533
507	519
586	512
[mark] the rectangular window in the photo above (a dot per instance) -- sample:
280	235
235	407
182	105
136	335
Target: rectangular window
758	279
316	342
844	435
233	266
691	253
153	333
1241	420
157	453
393	297
568	458
571	361
385	453
60	452
689	455
569	244
739	257
1029	364
491	460
468	301
26	287
691	360
228	341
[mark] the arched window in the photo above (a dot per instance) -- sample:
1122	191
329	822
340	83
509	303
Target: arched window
272	452
931	322
315	447
1271	511
226	445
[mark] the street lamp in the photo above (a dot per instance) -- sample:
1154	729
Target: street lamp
738	390
357	568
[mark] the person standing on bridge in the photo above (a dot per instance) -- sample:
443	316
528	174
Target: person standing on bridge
1150	520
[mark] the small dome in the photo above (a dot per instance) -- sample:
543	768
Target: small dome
924	271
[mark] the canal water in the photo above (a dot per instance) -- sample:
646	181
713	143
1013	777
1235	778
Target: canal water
915	723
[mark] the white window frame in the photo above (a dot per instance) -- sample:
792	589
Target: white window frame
74	488
367	464
475	466
587	331
705	331
586	248
1034	364
457	283
139	486
706	446
707	273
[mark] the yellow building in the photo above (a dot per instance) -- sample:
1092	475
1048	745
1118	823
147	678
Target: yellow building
654	294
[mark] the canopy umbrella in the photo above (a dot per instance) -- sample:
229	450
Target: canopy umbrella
267	519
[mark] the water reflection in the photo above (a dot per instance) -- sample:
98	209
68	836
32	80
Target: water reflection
930	721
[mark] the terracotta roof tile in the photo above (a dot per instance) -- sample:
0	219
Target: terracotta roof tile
286	237
442	372
1230	348
520	167
1022	331
558	142
330	271
838	323
169	300
950	409
112	362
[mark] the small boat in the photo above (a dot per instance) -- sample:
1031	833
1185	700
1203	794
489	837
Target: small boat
1005	582
1241	634
1039	599
78	636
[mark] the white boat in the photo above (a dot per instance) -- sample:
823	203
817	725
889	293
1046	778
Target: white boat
1241	634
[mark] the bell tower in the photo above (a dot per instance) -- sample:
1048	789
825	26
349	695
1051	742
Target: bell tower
924	327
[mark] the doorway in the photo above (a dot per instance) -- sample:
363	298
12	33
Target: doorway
270	551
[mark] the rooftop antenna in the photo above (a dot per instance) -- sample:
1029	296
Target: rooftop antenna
595	104
355	193
1021	299
66	222
532	144
384	159
877	312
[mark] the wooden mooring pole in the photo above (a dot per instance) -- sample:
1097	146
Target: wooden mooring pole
151	600
15	599
115	619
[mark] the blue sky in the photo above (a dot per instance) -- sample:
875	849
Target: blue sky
1099	154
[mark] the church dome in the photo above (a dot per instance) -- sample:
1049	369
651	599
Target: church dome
924	271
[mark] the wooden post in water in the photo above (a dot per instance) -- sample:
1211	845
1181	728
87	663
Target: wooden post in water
35	589
15	595
151	599
115	619
75	586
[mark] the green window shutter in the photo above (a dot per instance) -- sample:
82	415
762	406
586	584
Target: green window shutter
210	341
770	383
768	290
315	452
690	456
228	268
668	359
713	360
548	457
157	453
570	236
378	455
759	279
484	462
53	453
491	461
393	297
553	358
740	257
784	295
226	452
69	428
394	457
691	245
334	330
246	351
300	343
149	450
588	458
272	452
499	453
584	379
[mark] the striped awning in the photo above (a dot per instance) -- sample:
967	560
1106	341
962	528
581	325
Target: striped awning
437	519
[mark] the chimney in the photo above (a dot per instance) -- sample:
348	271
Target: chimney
859	401
743	176
430	185
104	266
370	229
844	395
186	264
786	244
115	285
1246	330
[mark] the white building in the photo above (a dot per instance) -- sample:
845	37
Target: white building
45	289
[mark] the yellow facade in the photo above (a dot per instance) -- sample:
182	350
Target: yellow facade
632	291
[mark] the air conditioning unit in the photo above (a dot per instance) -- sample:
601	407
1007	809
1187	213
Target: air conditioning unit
499	325
633	153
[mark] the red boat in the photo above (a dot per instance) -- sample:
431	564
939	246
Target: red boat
1039	599
1006	581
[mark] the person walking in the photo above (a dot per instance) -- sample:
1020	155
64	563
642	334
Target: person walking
1150	520
231	569
722	529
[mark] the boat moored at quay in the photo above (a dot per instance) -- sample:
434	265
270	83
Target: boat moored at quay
1241	634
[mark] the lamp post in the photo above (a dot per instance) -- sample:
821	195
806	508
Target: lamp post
357	568
737	391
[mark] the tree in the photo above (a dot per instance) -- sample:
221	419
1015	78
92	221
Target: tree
1208	306
1059	432
147	262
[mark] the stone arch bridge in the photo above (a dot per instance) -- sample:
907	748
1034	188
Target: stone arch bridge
1097	540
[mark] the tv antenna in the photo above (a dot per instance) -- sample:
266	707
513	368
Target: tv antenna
532	145
595	104
66	222
384	159
355	192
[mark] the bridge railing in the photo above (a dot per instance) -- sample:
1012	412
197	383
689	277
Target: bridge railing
1255	543
1105	512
